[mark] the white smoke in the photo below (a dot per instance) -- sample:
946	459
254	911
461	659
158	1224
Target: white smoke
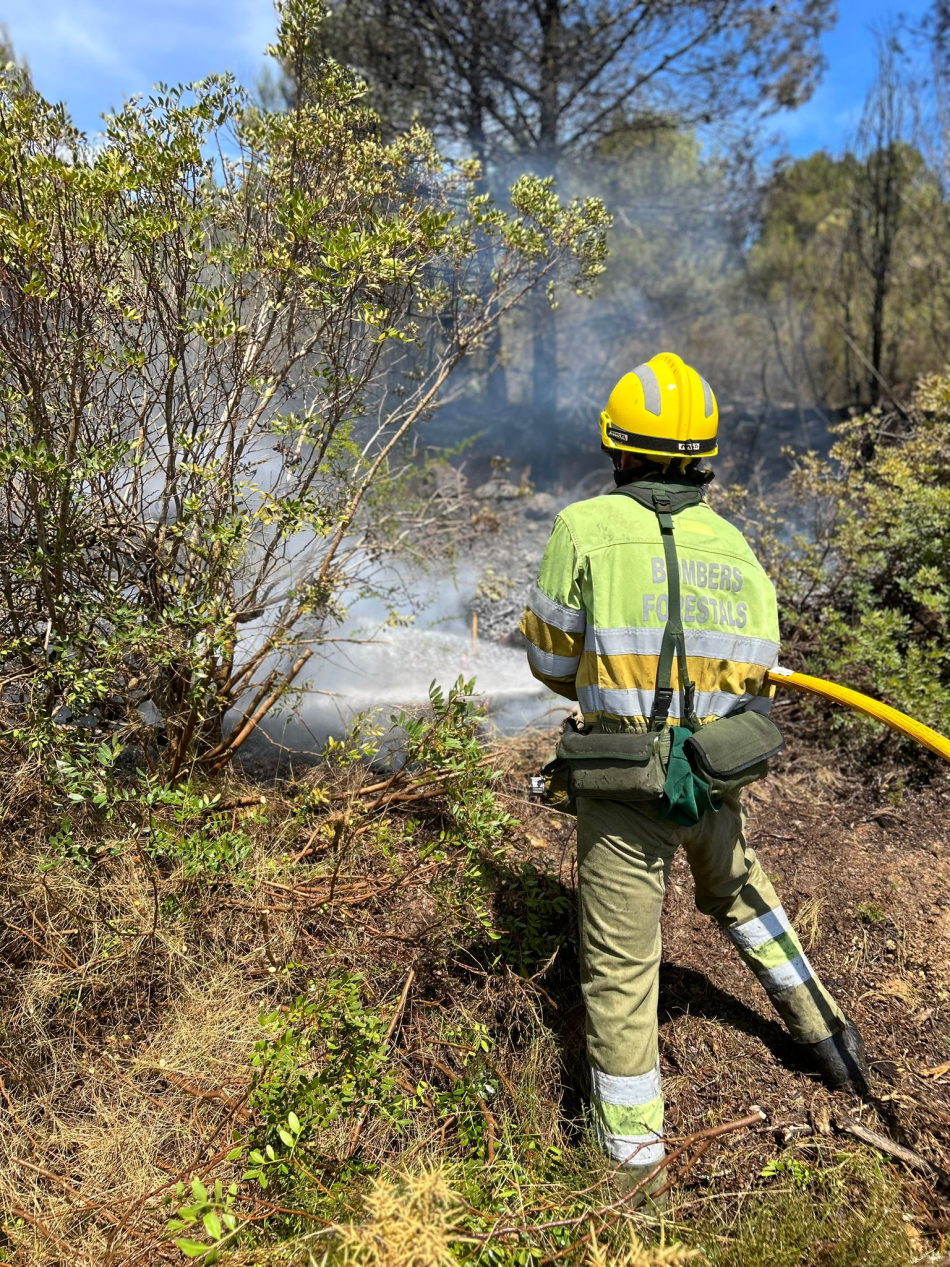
377	669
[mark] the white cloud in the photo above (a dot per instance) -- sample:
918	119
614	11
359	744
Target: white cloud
93	53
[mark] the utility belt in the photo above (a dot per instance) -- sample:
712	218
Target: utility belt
689	767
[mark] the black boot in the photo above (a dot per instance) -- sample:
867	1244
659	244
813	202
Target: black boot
842	1062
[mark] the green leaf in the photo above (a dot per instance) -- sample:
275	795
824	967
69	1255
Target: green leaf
213	1225
199	1191
293	1121
191	1249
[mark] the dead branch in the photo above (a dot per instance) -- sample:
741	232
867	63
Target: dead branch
882	1144
610	1212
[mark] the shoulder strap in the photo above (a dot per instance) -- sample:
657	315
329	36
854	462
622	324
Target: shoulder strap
667	501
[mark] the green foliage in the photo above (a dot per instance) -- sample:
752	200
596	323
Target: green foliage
323	1066
870	912
447	743
321	1059
175	826
222	325
864	586
835	1216
536	917
202	849
800	1174
209	1214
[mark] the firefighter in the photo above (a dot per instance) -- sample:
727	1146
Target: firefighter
595	629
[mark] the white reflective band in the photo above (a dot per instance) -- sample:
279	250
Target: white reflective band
567	619
639	703
634	1150
707	397
641	1088
777	668
786	976
712	644
552	665
651	387
756	931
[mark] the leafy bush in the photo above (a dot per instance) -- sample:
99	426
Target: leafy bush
864	584
220	326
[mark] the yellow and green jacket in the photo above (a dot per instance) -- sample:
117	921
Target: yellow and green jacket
594	623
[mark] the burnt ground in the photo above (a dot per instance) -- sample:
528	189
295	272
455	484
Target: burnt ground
867	885
115	1100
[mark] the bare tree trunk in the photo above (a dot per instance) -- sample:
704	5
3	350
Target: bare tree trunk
544	347
886	213
496	380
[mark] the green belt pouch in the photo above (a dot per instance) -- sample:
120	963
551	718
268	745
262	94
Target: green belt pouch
615	767
733	751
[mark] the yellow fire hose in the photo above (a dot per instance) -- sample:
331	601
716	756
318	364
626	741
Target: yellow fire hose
898	721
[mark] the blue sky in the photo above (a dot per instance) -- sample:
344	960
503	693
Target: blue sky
92	53
830	118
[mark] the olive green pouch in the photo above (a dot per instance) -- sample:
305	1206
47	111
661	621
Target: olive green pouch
557	791
621	767
734	751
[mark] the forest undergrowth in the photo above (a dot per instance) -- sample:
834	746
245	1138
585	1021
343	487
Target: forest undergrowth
338	1020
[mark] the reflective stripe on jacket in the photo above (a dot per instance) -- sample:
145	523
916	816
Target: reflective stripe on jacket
595	619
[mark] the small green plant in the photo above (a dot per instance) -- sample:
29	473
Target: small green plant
535	917
209	1214
207	849
447	744
64	847
271	1164
320	1062
870	912
800	1174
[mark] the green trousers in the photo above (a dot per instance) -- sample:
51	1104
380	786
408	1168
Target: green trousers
624	854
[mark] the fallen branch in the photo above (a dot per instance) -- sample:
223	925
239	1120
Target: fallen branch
234	1103
72	964
241	802
882	1144
611	1212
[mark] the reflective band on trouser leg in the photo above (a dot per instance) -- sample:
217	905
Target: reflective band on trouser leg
732	887
623	857
770	946
629	1116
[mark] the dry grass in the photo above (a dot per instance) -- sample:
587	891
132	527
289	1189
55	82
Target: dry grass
132	993
408	1223
808	920
636	1254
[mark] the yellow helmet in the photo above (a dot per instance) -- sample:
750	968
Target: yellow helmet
664	409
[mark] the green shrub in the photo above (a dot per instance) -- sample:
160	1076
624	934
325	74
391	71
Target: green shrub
220	327
864	583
